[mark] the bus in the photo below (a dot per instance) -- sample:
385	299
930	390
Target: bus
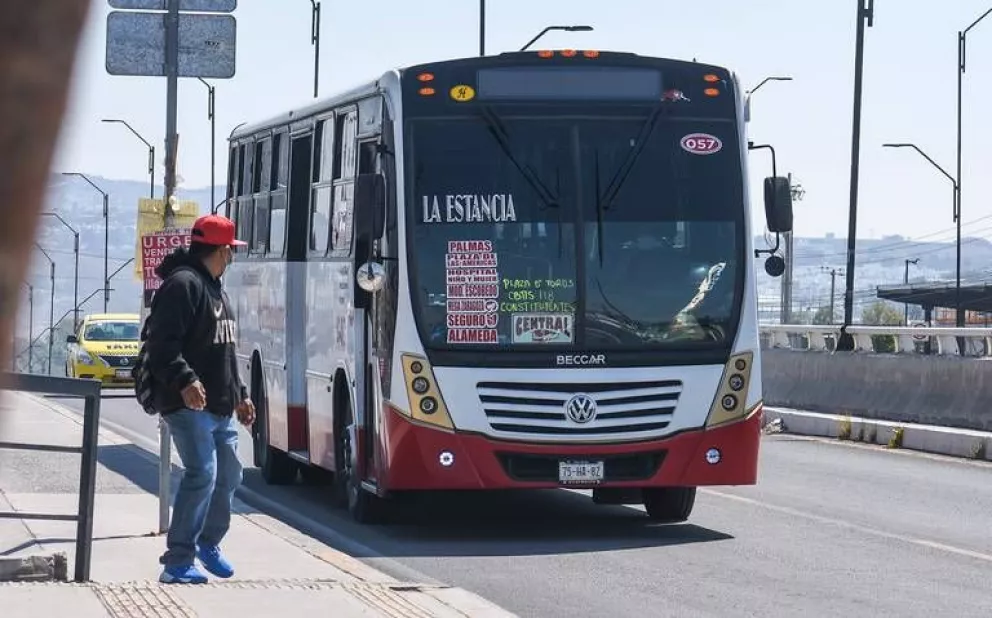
530	270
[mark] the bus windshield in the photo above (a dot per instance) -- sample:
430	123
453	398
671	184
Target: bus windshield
569	232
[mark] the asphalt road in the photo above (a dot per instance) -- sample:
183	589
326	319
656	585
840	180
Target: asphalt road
830	530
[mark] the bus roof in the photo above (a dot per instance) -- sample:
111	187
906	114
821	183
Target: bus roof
372	87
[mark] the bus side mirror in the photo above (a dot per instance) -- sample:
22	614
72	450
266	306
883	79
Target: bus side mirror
370	205
778	204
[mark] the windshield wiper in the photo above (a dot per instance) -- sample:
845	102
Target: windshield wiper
499	134
628	165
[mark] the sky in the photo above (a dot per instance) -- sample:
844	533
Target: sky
909	94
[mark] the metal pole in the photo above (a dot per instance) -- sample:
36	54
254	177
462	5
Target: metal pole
482	27
87	487
30	328
151	172
75	284
172	104
51	317
833	288
211	95
315	41
106	252
905	281
864	14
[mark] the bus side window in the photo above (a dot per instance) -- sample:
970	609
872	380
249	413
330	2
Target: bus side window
245	209
260	196
320	212
346	163
279	194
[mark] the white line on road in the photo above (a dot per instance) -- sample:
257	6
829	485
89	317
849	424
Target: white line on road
852	526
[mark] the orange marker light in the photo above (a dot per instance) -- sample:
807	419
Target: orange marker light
546	53
426	92
712	92
426	77
590	53
568	53
711	78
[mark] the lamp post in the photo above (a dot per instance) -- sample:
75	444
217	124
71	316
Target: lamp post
962	45
30	327
866	19
211	115
51	308
151	153
315	41
75	251
905	281
833	272
561	28
106	235
957	217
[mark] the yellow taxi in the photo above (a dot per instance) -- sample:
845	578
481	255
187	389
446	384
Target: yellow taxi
105	348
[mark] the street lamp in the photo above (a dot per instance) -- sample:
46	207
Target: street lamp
106	235
51	308
151	153
75	250
315	41
30	327
212	116
561	28
905	281
962	44
957	218
866	19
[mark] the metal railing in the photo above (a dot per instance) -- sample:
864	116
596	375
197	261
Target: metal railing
90	391
942	341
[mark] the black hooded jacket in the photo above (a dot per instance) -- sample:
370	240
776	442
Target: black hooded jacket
190	335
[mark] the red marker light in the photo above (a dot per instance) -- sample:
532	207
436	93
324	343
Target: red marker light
426	92
590	53
568	53
426	77
711	78
545	53
712	92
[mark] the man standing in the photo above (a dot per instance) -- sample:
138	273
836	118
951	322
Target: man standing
190	341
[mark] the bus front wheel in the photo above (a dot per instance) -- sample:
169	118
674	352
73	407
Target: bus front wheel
669	505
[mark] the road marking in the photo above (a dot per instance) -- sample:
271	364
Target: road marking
853	526
881	448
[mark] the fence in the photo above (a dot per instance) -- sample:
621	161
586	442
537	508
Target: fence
940	341
90	391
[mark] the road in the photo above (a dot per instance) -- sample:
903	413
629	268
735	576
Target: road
830	530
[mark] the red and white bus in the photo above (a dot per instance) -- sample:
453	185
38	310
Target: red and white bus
532	270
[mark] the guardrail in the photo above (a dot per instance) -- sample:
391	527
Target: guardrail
90	391
941	341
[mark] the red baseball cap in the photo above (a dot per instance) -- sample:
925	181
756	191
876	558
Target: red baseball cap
215	230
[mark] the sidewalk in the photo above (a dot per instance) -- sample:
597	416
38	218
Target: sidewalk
279	569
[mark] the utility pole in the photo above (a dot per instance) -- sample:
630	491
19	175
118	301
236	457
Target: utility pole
171	107
315	41
482	27
212	117
833	272
905	281
866	19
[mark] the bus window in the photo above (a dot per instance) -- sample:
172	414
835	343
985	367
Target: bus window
263	165
280	174
320	213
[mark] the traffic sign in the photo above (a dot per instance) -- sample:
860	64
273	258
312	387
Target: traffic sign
201	6
920	337
136	45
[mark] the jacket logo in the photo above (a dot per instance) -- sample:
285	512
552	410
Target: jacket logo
219	311
226	333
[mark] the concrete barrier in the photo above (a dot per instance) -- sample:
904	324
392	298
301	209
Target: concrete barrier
949	391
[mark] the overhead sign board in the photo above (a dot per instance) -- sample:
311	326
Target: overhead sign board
136	45
203	6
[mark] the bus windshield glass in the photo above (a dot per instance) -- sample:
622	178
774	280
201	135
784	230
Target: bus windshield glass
571	232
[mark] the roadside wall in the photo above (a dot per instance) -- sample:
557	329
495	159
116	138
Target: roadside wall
947	391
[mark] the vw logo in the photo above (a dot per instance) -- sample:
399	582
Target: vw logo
124	362
580	408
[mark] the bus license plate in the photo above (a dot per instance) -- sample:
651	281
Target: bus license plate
124	374
570	472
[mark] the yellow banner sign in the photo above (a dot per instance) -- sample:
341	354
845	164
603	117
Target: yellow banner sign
151	219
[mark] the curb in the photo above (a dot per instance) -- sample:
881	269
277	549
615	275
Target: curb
293	528
950	441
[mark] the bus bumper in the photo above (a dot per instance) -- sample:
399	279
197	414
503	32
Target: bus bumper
420	457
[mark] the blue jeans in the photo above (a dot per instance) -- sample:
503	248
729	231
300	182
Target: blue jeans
201	514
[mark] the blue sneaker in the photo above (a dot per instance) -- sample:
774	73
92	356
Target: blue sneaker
214	562
182	574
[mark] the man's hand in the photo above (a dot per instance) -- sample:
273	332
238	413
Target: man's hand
246	412
195	396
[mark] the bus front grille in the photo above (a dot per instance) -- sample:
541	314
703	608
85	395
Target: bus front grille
579	409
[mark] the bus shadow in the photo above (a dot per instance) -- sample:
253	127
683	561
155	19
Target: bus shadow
512	523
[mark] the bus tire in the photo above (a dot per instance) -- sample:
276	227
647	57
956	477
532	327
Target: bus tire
364	507
669	505
277	467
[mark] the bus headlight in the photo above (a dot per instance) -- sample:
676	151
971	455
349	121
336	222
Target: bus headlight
426	403
730	403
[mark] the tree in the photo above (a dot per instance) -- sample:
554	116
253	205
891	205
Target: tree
881	313
822	316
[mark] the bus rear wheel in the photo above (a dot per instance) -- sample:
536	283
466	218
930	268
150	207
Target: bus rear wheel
669	505
277	467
